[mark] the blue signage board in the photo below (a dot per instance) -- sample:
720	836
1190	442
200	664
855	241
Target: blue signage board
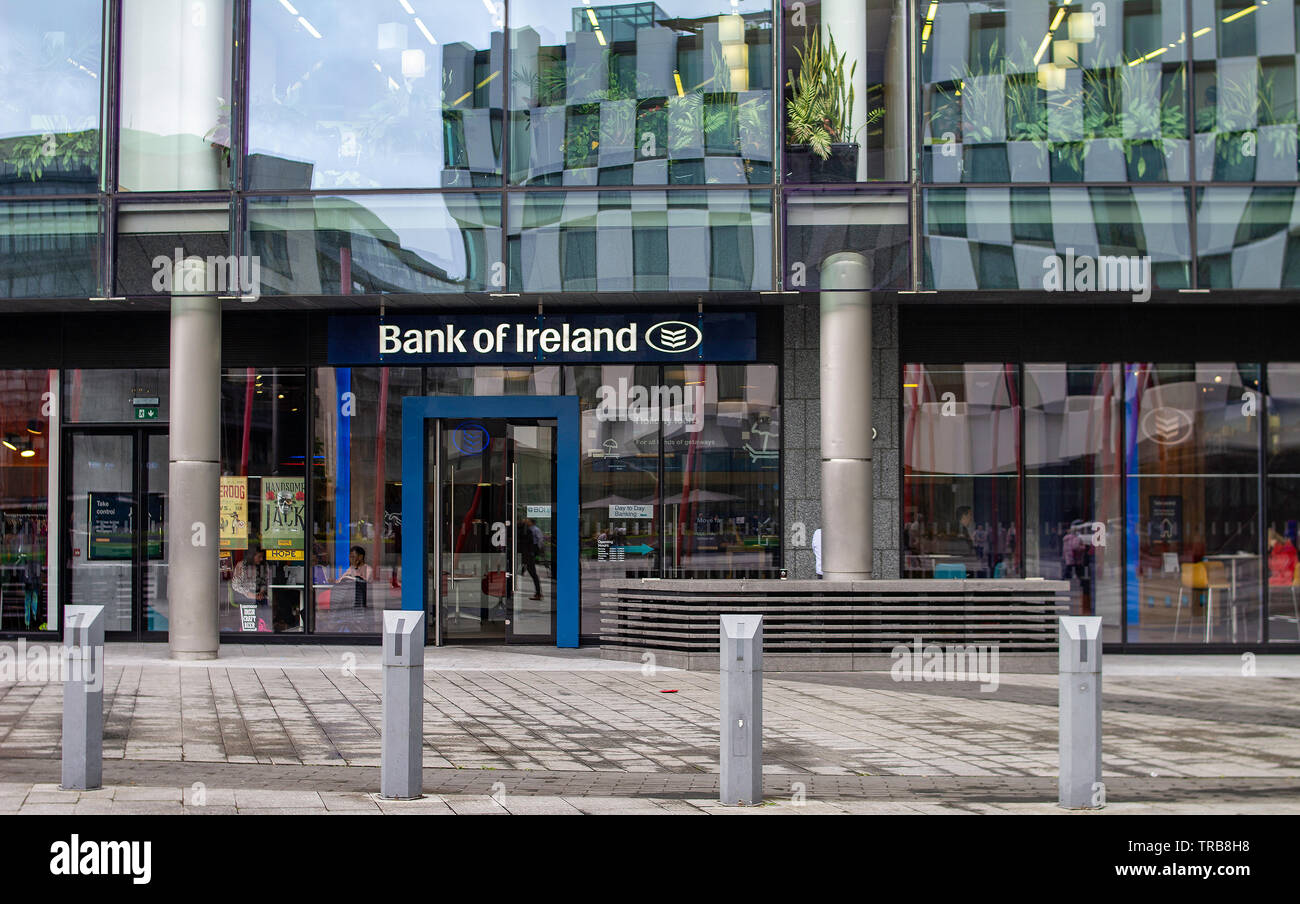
552	338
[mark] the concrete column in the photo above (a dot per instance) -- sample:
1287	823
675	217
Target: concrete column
846	363
846	21
193	475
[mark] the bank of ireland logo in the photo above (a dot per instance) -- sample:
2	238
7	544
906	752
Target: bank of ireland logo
1167	426
471	438
673	337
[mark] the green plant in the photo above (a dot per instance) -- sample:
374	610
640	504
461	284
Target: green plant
1242	104
31	155
820	109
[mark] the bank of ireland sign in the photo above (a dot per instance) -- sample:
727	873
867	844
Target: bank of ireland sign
553	338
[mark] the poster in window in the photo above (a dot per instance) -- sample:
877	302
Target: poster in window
1165	519
234	513
112	526
284	517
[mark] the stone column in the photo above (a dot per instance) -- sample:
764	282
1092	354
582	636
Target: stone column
846	365
193	474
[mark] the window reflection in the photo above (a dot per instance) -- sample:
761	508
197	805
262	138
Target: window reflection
636	94
49	96
1283	520
375	95
49	248
1246	238
24	499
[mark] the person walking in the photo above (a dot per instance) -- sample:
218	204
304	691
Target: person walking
531	545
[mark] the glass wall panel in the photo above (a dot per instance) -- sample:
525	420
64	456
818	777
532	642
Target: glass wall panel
100	396
1282	455
636	94
961	464
49	249
1244	90
361	244
845	90
819	225
1057	239
24	499
264	541
375	95
1073	467
494	380
613	241
619	476
151	238
356	557
1042	91
721	470
1248	238
174	118
1192	499
49	96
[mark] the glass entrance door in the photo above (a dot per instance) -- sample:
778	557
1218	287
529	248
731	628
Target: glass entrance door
493	530
115	507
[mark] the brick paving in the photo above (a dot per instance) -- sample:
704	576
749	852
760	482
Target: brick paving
288	729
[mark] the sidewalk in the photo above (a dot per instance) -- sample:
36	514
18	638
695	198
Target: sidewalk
276	728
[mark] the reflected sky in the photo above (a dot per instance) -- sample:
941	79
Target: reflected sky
49	66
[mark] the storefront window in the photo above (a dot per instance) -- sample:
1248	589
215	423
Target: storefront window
1248	238
50	85
1192	498
356	555
722	471
25	437
264	570
371	95
96	396
1117	240
1245	90
639	94
1073	422
643	241
174	132
49	249
961	464
1282	455
1043	91
358	244
845	89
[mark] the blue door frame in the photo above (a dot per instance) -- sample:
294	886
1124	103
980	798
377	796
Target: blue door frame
416	411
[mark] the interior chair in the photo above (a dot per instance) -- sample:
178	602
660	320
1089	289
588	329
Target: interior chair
1195	577
950	571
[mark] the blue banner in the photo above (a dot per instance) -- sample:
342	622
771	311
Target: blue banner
399	339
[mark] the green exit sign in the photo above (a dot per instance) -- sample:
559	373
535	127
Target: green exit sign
146	413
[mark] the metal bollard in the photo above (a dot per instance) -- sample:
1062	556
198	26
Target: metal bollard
401	775
83	698
1080	785
741	667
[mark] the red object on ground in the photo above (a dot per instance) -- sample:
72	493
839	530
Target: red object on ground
673	691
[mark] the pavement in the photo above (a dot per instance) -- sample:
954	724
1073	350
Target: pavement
290	729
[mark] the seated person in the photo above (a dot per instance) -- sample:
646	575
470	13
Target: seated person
359	574
1282	560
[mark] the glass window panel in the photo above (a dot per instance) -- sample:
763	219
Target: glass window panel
152	237
640	94
613	241
49	249
1127	240
99	396
264	569
821	225
494	380
24	499
1043	91
1248	238
1244	90
618	478
1283	532
375	95
863	138
722	471
356	555
1192	498
1073	459
174	118
961	463
359	244
49	96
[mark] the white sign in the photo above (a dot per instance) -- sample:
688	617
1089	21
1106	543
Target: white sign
632	512
537	511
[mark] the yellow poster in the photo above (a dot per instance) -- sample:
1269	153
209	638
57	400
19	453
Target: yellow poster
234	513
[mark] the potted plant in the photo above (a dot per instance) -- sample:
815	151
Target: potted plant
819	116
